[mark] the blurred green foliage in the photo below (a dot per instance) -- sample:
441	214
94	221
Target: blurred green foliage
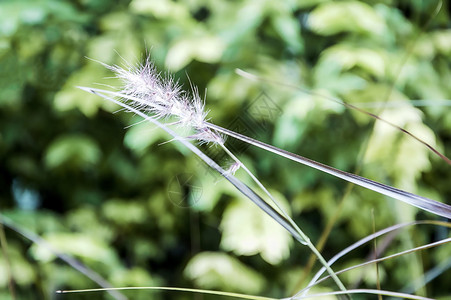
72	173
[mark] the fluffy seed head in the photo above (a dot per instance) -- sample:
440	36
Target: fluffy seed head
151	92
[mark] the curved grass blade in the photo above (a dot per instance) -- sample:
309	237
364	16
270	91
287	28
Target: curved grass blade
172	289
424	203
378	260
74	263
366	240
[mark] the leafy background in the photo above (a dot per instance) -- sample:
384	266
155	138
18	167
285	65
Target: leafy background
72	173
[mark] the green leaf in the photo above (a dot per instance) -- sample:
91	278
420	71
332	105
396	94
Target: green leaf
205	48
79	245
211	270
163	9
350	56
291	126
124	212
398	154
328	76
132	277
15	13
442	41
86	220
310	3
70	97
139	137
77	151
248	231
289	29
350	16
236	25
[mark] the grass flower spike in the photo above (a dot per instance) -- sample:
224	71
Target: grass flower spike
149	91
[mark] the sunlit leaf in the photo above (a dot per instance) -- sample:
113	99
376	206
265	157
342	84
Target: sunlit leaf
405	158
124	212
347	16
132	277
69	98
159	8
79	245
442	41
350	56
211	270
248	231
205	48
